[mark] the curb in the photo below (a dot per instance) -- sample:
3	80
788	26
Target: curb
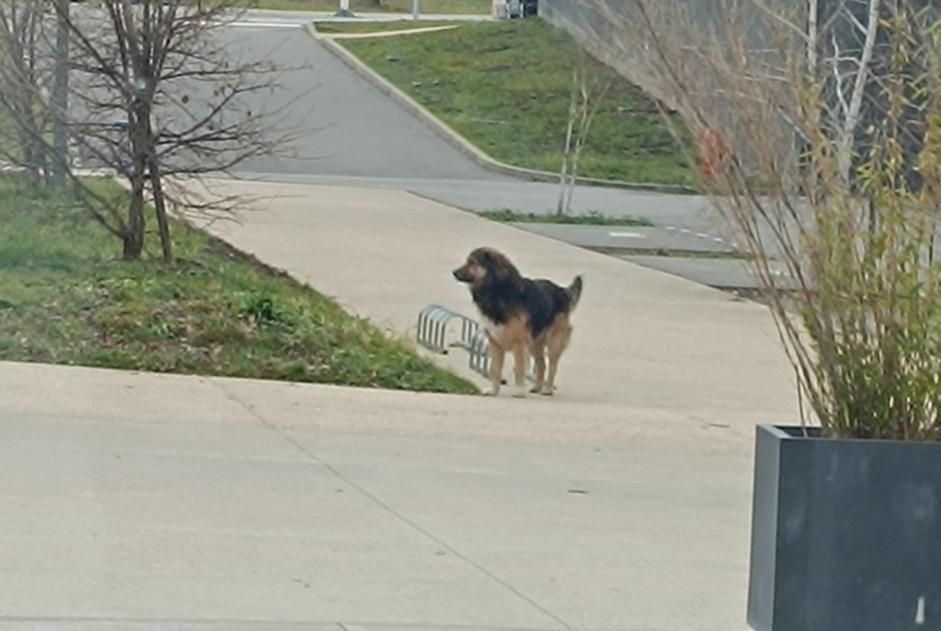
387	34
463	145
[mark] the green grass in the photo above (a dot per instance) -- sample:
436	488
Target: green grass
467	7
66	298
329	28
9	146
505	86
590	218
670	253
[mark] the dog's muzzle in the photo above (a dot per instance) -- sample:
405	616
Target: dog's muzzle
462	275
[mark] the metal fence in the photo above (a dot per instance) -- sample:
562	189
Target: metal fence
607	39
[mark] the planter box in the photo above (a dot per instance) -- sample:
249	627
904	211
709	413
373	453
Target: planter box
846	534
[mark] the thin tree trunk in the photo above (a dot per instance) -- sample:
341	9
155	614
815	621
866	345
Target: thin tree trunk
563	174
160	207
573	177
576	154
813	15
136	225
134	235
587	109
848	136
60	96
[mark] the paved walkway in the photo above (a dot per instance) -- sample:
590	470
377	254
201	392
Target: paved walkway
643	339
166	500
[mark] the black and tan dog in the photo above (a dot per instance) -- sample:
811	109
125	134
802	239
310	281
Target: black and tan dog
520	315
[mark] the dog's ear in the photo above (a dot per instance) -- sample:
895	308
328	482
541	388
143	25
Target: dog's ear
500	269
492	261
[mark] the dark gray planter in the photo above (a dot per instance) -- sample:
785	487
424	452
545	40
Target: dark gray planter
846	534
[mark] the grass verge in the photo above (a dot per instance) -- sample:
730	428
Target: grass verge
465	7
672	253
66	299
333	28
8	142
586	219
505	86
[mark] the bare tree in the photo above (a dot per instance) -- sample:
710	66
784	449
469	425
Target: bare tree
828	166
25	75
589	88
160	97
60	95
855	70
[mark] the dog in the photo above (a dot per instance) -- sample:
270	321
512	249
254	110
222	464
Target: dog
520	315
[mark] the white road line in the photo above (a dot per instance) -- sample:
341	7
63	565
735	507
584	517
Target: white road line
627	235
264	24
702	235
718	239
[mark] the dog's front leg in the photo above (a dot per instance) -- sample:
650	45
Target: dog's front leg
519	371
497	355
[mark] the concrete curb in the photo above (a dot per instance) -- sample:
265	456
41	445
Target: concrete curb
386	34
483	160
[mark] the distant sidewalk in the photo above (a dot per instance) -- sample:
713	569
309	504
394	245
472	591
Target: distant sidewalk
642	338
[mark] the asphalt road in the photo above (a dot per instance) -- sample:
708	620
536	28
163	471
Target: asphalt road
343	125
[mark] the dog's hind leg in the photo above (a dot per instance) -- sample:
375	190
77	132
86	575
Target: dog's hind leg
538	352
519	370
497	355
557	343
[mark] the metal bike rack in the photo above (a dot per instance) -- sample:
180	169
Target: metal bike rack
479	351
432	331
433	323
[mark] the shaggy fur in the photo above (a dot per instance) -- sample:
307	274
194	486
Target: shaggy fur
520	315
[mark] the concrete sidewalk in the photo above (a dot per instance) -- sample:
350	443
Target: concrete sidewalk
148	502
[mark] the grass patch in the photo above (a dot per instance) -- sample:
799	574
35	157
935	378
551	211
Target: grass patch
672	253
9	145
505	85
465	7
590	218
330	28
66	298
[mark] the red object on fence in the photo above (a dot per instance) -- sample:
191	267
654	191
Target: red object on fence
713	151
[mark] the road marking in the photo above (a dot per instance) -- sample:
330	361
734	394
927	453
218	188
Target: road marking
264	24
718	239
702	235
627	235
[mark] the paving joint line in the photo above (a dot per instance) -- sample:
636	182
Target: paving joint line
389	509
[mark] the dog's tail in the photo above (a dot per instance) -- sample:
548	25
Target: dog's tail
575	292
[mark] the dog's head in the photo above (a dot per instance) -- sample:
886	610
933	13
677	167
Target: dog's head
486	265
